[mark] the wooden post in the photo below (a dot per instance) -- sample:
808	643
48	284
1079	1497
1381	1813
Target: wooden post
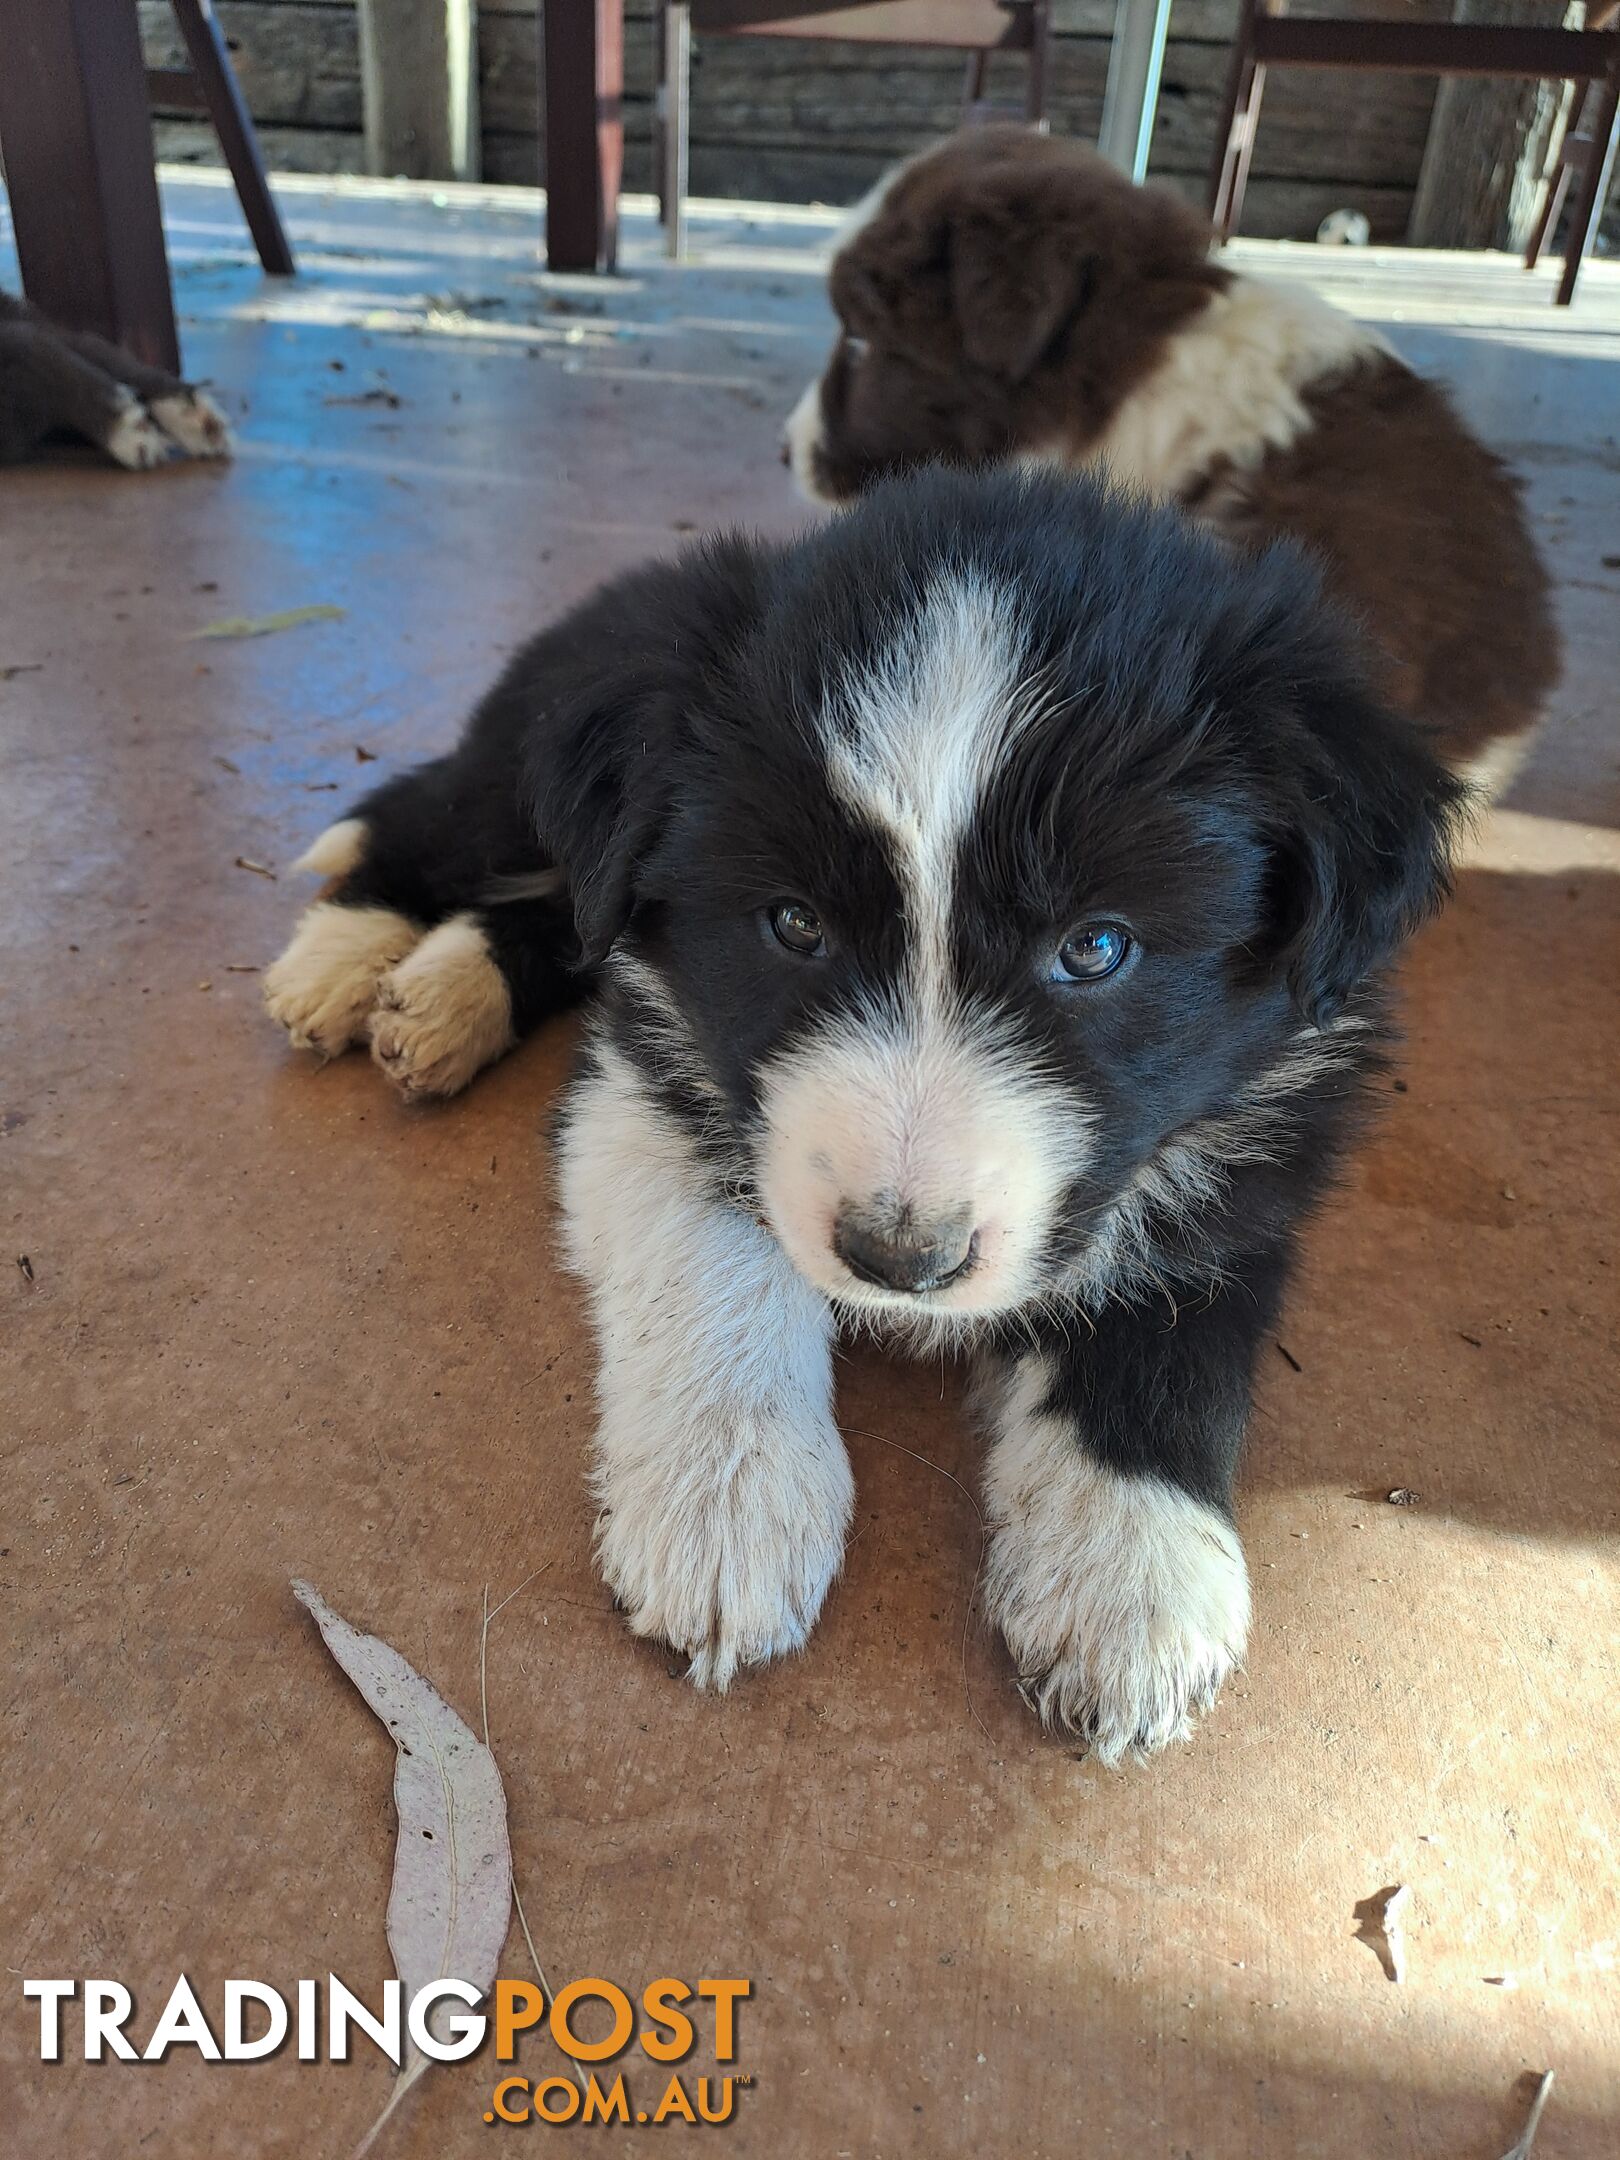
419	87
1490	143
77	136
582	59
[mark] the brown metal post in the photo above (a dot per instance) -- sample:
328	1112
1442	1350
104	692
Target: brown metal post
222	94
77	133
1595	176
582	58
1235	129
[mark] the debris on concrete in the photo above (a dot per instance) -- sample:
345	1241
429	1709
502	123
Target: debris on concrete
249	626
1379	1924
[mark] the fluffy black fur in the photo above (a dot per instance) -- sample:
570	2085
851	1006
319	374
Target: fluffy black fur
1208	765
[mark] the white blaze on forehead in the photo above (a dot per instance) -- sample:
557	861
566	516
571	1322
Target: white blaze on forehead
914	740
920	1100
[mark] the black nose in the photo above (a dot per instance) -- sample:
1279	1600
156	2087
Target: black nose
784	453
904	1255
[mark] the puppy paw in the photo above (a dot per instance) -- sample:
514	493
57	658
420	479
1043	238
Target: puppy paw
724	1542
1124	1601
191	419
324	988
443	1014
135	440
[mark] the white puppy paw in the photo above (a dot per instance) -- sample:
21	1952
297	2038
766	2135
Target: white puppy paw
443	1014
724	1541
135	440
323	990
192	419
1124	1601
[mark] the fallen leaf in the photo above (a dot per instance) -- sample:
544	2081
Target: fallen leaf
1403	1496
1521	2151
1378	1925
363	756
259	869
245	626
451	1899
27	1267
20	667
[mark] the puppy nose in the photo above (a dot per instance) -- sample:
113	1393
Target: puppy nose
784	453
904	1254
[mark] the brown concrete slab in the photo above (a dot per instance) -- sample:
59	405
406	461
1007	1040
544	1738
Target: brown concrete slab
278	1325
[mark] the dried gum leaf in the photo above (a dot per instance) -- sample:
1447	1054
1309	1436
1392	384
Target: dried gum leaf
451	1899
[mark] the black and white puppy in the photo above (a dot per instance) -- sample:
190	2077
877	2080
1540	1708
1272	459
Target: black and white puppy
56	383
988	897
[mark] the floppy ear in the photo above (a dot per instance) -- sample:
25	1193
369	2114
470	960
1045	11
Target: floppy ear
614	688
888	284
1369	818
1017	276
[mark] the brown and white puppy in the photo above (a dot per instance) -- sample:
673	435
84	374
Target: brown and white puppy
1008	296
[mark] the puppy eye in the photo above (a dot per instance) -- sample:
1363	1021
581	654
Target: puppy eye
1091	953
798	928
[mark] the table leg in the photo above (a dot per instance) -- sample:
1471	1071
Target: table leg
583	62
77	133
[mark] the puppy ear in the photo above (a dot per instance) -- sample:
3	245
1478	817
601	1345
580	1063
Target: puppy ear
615	687
1016	280
888	284
1370	819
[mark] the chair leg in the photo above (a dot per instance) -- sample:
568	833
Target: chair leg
1234	130
77	131
677	91
211	64
1595	177
973	76
1547	222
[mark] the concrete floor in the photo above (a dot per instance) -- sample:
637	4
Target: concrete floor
278	1325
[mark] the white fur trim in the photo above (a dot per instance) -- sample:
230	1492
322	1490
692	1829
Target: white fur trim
724	1487
134	440
804	435
337	851
1124	1601
195	422
324	986
918	1102
1229	388
444	1013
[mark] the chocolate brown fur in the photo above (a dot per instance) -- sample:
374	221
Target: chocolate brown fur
1014	296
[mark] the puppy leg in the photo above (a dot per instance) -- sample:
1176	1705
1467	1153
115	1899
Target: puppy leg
323	989
473	987
188	416
407	948
1114	1570
724	1487
47	389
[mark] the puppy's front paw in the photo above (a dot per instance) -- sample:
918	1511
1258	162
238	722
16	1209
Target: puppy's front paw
134	440
323	990
191	419
1124	1601
443	1014
723	1541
